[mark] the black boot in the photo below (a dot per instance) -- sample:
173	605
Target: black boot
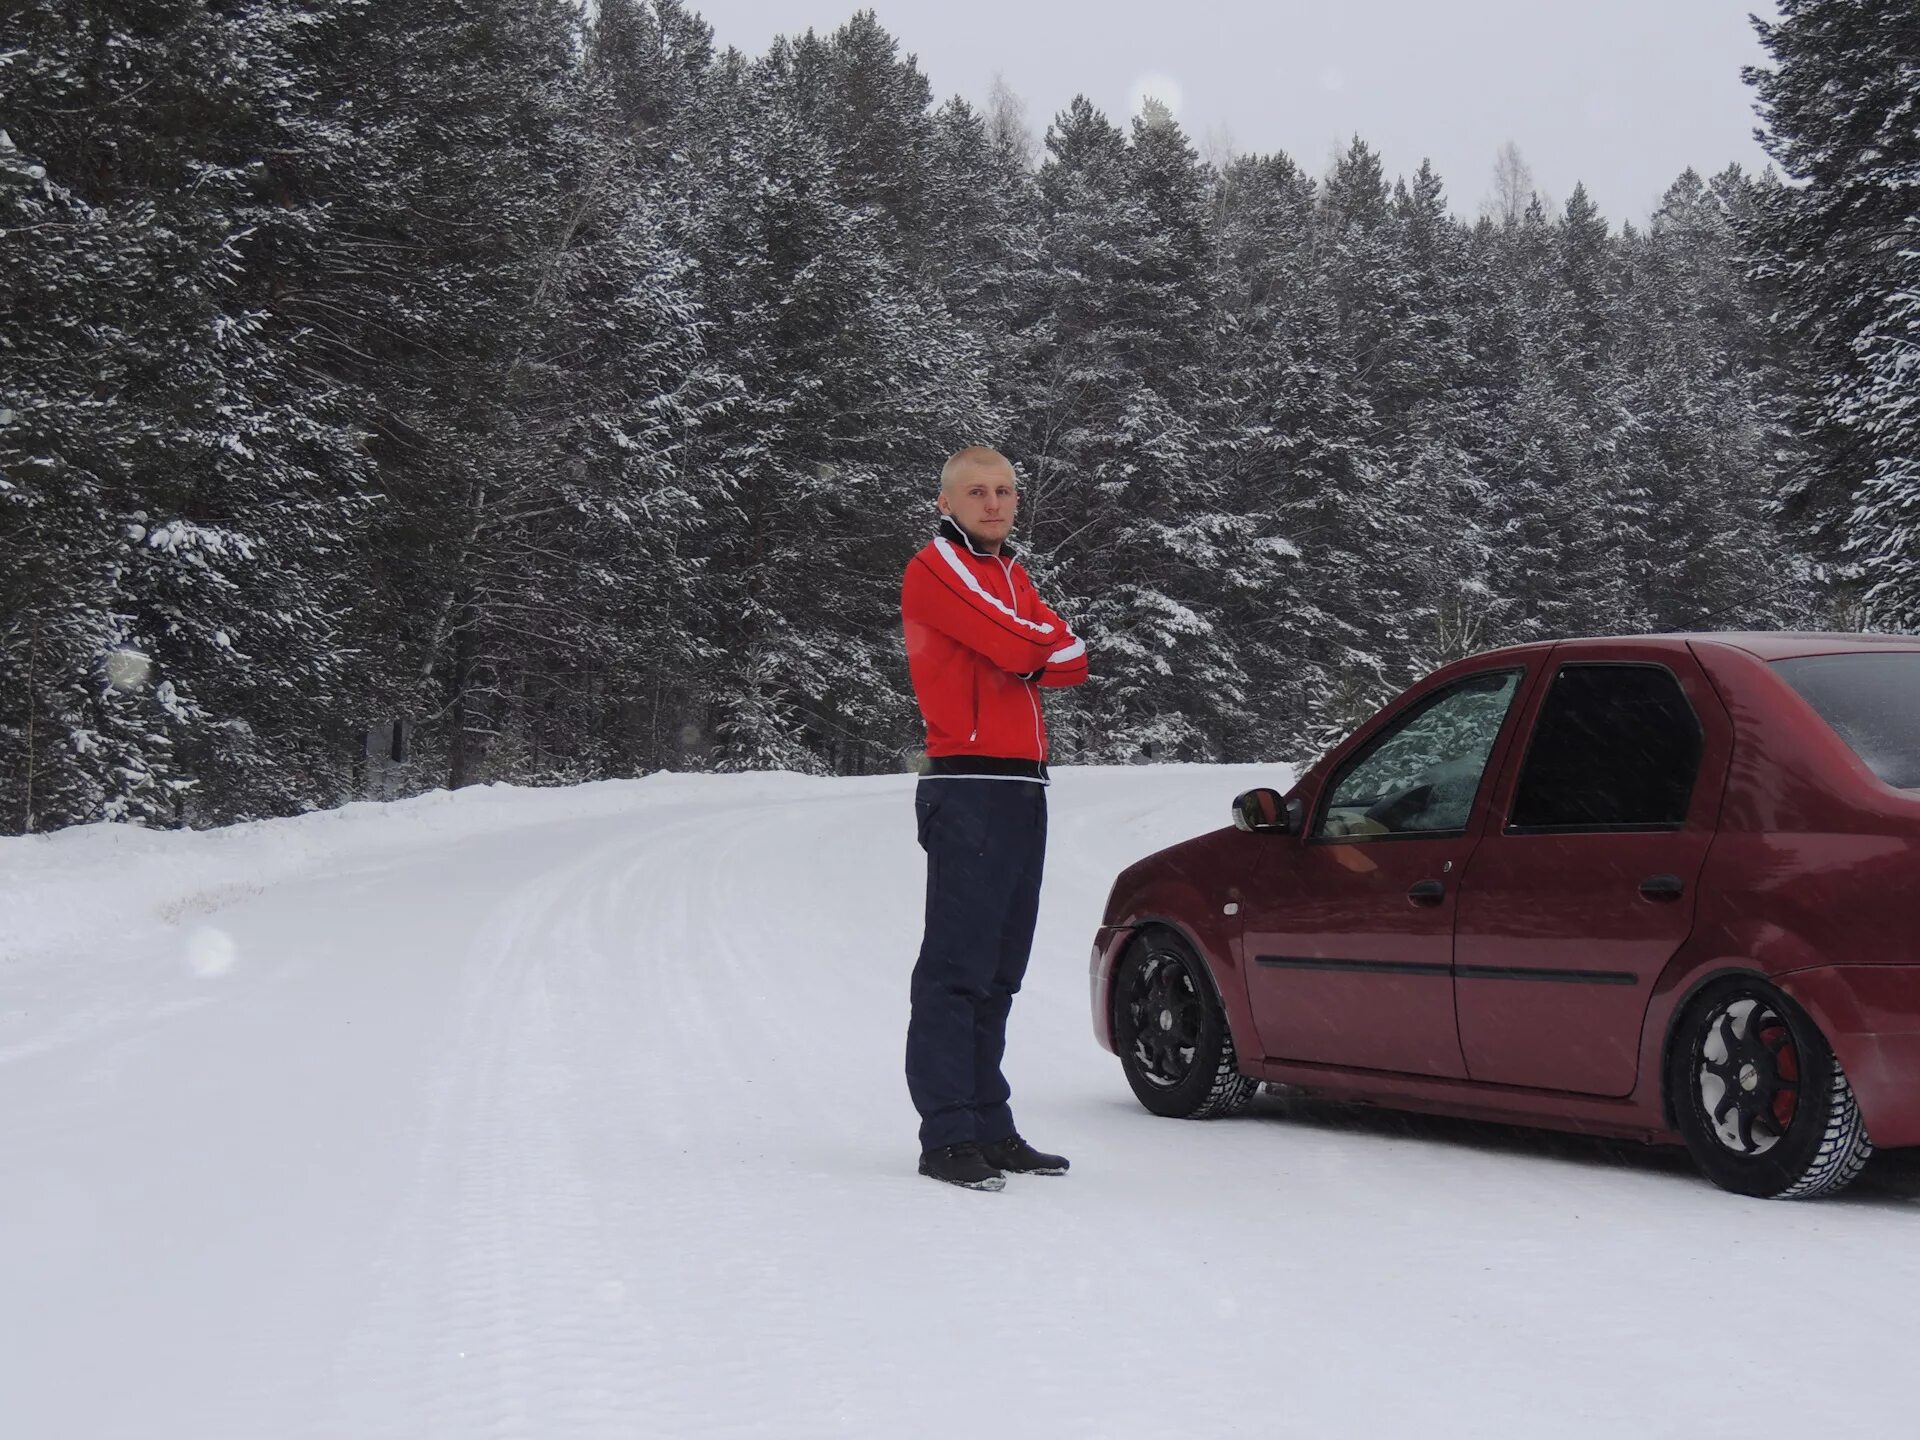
962	1165
1016	1155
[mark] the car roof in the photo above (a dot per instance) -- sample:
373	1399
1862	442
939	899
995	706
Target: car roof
1786	644
1765	644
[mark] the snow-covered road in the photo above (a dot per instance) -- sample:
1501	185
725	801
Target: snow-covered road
579	1113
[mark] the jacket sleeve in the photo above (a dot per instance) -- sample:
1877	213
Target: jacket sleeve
1066	662
944	596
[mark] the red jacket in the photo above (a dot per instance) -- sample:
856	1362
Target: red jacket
980	643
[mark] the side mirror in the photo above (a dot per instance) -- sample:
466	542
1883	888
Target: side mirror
1264	811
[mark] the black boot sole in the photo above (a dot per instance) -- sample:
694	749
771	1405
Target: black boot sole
992	1182
1007	1169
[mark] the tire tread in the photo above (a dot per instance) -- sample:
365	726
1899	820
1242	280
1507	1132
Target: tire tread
1831	1162
1230	1091
1225	1090
1844	1147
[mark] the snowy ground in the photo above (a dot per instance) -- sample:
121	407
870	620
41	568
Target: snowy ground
579	1113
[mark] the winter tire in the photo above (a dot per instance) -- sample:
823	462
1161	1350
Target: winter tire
1760	1098
1172	1033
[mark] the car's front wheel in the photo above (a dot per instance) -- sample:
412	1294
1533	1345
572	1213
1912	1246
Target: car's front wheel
1172	1034
1760	1098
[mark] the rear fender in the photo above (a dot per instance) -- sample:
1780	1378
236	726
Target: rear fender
1870	1015
1729	946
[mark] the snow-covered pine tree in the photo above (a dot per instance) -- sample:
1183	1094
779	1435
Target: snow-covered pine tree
1391	595
595	662
873	113
649	63
1565	522
186	489
1298	465
1425	400
1604	515
856	385
1265	447
462	191
982	247
78	742
294	475
1122	506
1842	247
1492	337
1520	417
1701	447
1174	512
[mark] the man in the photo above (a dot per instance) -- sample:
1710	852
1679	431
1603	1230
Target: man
980	644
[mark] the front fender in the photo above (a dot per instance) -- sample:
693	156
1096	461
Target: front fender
1201	921
1109	944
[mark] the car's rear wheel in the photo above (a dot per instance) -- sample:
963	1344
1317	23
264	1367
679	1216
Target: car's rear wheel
1760	1098
1172	1034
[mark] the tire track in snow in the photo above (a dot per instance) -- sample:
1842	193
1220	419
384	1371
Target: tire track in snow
502	1314
732	1099
666	1118
559	1266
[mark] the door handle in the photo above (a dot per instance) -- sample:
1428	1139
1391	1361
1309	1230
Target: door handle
1662	887
1427	892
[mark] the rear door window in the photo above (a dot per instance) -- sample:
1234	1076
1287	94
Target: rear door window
1616	747
1872	701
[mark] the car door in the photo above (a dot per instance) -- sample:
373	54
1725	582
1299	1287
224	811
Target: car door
1583	887
1351	933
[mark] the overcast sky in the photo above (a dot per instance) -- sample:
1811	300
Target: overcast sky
1623	94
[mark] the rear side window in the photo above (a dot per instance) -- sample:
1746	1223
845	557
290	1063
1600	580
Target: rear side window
1616	747
1872	702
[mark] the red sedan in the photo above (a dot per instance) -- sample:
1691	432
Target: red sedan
1658	887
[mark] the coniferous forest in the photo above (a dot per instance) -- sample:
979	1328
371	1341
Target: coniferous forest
432	392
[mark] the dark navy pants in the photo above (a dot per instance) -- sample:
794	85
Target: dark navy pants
986	841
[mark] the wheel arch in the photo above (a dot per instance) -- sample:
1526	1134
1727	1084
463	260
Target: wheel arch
1815	1151
1687	993
1869	1015
1231	1000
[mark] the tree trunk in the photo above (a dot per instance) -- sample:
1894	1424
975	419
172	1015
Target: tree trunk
463	755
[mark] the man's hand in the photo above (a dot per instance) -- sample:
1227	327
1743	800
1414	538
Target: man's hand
1067	663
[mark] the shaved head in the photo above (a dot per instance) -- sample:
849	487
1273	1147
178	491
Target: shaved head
979	493
964	464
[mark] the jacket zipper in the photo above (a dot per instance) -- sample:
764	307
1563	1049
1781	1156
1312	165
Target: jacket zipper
1039	736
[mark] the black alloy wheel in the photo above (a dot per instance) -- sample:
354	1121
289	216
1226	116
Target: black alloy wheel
1172	1034
1760	1098
1163	1013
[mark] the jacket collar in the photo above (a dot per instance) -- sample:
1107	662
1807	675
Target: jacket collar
950	530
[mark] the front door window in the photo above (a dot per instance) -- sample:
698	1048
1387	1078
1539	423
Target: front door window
1420	775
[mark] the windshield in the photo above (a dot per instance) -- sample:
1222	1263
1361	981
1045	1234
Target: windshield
1872	701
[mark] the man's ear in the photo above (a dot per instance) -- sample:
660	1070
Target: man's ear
941	501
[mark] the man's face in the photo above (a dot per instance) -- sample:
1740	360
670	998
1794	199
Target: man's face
982	499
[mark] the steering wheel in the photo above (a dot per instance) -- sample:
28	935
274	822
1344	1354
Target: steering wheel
1393	811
